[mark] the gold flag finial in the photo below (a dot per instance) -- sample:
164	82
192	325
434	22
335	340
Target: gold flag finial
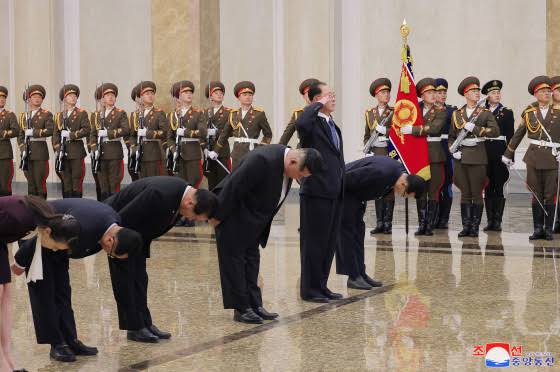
405	31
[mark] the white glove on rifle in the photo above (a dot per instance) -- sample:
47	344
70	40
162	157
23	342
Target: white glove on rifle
29	132
407	129
381	129
102	133
65	134
213	155
469	127
142	132
212	132
508	162
181	132
457	155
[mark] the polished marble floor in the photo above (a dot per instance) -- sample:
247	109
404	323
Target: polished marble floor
442	297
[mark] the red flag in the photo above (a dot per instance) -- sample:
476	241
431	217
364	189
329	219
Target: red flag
412	151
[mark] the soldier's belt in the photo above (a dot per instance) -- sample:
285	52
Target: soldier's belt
471	142
113	140
445	136
42	139
381	142
189	140
553	145
434	139
254	141
500	138
151	140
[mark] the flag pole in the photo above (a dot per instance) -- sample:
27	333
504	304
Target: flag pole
405	30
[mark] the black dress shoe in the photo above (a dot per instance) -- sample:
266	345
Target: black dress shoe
263	313
160	334
247	316
331	295
372	282
20	370
316	299
62	353
79	348
142	335
358	283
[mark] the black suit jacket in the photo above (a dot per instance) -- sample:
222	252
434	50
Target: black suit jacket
372	177
250	197
94	217
149	206
314	133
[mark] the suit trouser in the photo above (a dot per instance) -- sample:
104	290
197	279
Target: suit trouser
110	175
151	168
6	176
319	238
37	175
447	189
130	289
191	171
350	258
543	182
471	180
73	175
216	172
239	263
51	300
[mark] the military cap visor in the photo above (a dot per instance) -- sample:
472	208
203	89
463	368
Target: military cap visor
68	89
36	89
378	85
441	84
538	83
468	84
244	87
425	85
555	83
491	86
213	87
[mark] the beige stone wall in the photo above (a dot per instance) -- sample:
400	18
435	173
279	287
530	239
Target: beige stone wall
553	37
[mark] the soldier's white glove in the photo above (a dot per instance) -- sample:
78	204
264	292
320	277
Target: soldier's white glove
469	127
29	132
65	134
137	155
212	132
457	155
381	129
213	155
181	132
142	132
102	133
407	129
507	161
205	153
96	154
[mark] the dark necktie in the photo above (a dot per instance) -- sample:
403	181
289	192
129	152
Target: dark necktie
334	134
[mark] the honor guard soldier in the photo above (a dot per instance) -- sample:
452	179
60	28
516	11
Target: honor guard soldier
555	87
497	172
381	90
108	126
434	121
291	127
71	126
129	139
149	132
8	129
446	198
36	126
541	123
471	125
218	117
245	125
188	126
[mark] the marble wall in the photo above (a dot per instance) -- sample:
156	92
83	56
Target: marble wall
553	37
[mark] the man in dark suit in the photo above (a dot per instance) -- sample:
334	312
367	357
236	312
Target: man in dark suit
51	298
321	195
370	178
150	206
248	200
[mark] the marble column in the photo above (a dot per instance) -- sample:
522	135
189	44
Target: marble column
552	37
185	46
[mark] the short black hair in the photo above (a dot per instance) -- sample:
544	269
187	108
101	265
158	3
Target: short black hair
314	89
128	241
415	184
312	160
206	203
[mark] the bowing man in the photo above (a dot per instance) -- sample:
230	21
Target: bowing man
51	297
248	200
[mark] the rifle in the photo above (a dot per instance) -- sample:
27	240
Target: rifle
24	163
135	161
373	137
96	155
211	135
173	158
61	156
463	133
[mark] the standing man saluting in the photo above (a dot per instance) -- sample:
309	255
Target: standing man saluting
321	195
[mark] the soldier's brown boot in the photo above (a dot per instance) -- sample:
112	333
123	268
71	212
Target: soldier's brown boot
538	221
379	207
466	215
